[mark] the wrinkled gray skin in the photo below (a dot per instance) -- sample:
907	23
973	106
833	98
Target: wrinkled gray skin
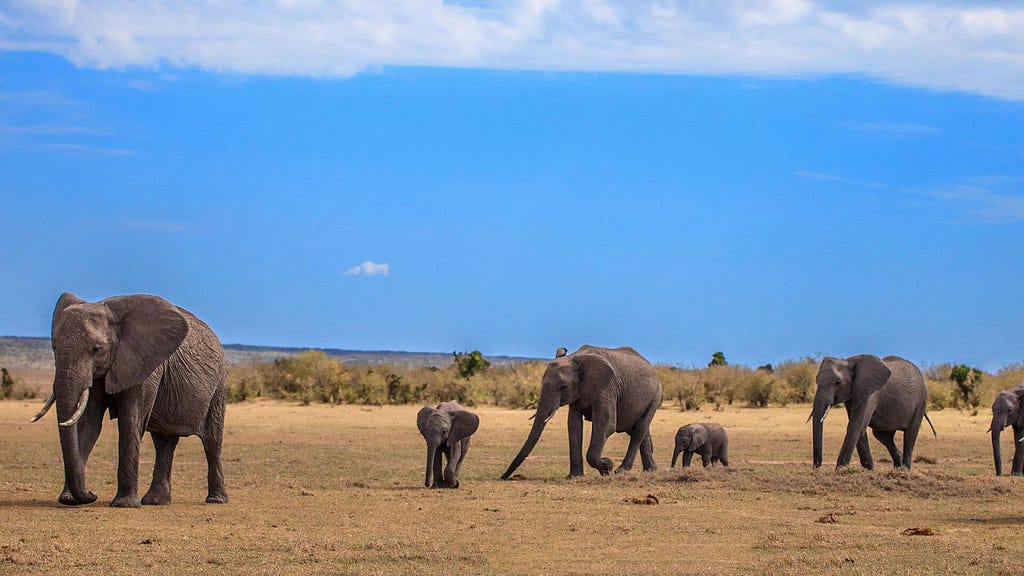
886	394
615	388
446	429
1007	411
151	366
707	439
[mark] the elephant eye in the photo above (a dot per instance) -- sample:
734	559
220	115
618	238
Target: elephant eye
96	348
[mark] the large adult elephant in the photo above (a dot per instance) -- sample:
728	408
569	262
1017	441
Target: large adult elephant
152	366
615	388
1008	410
885	394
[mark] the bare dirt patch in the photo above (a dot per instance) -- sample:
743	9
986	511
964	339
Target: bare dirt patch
338	490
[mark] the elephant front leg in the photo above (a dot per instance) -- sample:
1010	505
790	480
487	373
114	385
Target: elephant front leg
439	468
864	452
575	442
1017	468
856	437
129	438
705	456
451	471
160	489
687	458
598	437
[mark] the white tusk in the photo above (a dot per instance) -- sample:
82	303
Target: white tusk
827	410
83	401
45	409
550	416
809	416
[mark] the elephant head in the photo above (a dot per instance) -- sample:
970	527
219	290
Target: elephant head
577	378
444	426
850	381
1006	411
689	439
112	345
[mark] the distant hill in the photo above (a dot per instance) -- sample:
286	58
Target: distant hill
25	353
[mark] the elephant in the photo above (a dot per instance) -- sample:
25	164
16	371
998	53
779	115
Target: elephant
446	429
707	439
1007	411
152	366
615	388
885	394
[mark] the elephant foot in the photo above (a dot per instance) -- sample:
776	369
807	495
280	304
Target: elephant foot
575	475
219	498
621	469
156	498
125	502
68	500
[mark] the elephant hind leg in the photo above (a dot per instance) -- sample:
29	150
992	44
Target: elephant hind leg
723	453
888	439
647	454
160	489
640	435
213	439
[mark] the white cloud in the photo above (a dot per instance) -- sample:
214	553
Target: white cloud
984	204
369	268
896	129
961	45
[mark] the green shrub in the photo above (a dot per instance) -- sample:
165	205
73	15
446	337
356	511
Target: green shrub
939	396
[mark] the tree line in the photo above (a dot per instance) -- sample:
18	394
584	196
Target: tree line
315	377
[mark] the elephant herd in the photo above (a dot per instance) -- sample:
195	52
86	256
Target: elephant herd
155	367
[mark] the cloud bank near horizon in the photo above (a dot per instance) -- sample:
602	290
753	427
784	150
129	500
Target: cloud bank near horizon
974	47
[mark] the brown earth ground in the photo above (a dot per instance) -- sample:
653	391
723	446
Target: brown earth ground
338	490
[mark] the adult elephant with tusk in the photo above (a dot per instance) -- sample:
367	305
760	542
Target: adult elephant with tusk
615	388
1008	410
886	394
151	366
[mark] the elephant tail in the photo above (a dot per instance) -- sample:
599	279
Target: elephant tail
934	433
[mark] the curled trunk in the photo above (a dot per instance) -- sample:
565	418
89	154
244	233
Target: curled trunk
531	441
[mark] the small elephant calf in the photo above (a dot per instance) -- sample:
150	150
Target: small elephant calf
707	439
446	429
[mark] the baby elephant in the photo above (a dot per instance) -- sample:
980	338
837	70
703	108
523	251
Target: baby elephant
446	429
707	439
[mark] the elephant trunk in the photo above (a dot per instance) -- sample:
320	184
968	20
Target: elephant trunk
997	454
539	421
675	455
431	454
67	389
822	405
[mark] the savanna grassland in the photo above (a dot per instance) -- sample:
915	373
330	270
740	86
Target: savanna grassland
337	489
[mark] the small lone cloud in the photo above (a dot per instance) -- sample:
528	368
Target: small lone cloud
369	268
893	129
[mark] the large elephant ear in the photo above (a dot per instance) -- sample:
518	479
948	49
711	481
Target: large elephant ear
421	418
66	299
149	329
464	424
869	373
1018	418
594	374
698	436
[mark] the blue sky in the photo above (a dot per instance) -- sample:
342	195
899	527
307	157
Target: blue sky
769	180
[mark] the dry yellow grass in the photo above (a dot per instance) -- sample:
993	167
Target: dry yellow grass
338	490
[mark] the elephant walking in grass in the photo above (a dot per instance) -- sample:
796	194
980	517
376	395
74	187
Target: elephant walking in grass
446	429
707	439
886	394
151	366
615	388
1008	410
